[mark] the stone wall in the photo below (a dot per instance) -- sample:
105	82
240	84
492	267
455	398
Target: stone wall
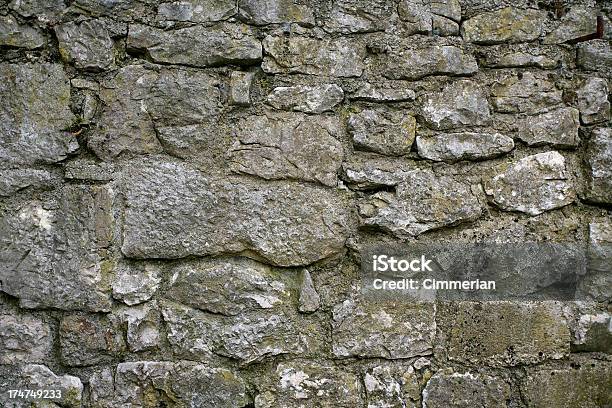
186	188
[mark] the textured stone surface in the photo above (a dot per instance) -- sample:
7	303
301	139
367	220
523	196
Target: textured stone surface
143	326
14	34
309	299
89	339
359	16
528	93
464	389
134	284
274	12
506	25
435	60
557	128
392	385
593	101
438	17
578	22
532	185
240	88
309	99
461	103
390	93
35	377
88	44
12	181
595	55
44	9
196	11
365	173
599	166
385	132
290	146
24	338
463	146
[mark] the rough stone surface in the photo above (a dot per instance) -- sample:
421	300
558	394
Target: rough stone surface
392	385
463	146
12	181
558	128
359	16
14	34
89	339
367	173
134	284
384	132
196	11
599	164
275	12
143	326
578	22
506	25
532	185
309	299
595	55
240	88
24	338
435	60
526	93
456	389
35	377
389	93
88	44
593	101
309	99
461	103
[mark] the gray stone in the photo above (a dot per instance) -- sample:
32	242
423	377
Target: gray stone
591	328
525	93
461	103
391	93
40	377
453	147
595	55
13	34
24	337
443	26
288	146
382	329
578	22
600	246
240	88
558	128
53	253
196	11
331	57
88	44
385	132
599	166
227	286
449	389
143	323
32	129
593	101
309	99
197	46
89	339
44	10
418	63
12	181
135	283
85	169
366	173
392	385
439	17
359	16
287	224
423	201
310	301
508	25
532	185
274	12
521	59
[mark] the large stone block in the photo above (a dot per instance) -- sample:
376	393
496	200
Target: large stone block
14	34
558	128
593	101
196	11
525	93
384	132
260	12
449	389
595	55
599	166
506	25
367	173
418	63
359	16
392	385
89	339
309	99
578	22
24	338
88	45
461	103
453	147
423	16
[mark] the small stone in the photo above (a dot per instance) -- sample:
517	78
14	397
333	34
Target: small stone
196	11
523	60
88	45
12	181
367	173
382	329
576	23
384	132
421	363
438	17
392	93
392	385
274	12
330	57
44	10
449	389
89	339
197	46
308	99
38	377
595	55
240	88
443	26
508	25
13	34
593	101
423	201
558	128
592	329
415	64
600	246
453	147
461	103
309	298
525	93
143	322
359	16
85	169
288	146
24	337
134	284
533	185
599	162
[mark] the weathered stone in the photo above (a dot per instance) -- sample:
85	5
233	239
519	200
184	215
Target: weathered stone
45	10
89	339
309	99
12	181
309	298
558	128
52	252
506	25
416	16
227	286
143	322
196	11
599	162
593	101
330	57
85	169
503	333
88	44
443	26
453	147
364	173
585	383
422	202
384	132
274	12
197	46
392	385
591	328
134	284
525	93
578	22
418	63
595	55
532	185
24	338
600	246
391	93
240	88
288	146
311	385
181	384
39	377
439	17
32	130
461	103
139	100
521	59
359	16
13	34
449	389
382	329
